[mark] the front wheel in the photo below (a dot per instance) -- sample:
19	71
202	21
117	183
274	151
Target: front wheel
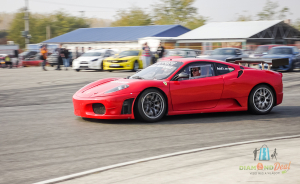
77	70
151	106
135	66
261	100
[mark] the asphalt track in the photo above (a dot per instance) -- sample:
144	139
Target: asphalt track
40	138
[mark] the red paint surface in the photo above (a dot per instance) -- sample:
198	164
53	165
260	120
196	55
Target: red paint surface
204	95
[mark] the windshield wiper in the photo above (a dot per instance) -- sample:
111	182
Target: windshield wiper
137	77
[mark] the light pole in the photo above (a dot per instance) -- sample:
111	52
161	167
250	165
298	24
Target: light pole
26	18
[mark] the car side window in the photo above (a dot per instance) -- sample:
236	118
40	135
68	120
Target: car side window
198	70
223	69
296	49
191	54
107	53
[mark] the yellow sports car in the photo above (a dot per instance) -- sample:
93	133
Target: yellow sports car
126	60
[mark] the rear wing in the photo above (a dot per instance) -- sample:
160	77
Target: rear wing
275	62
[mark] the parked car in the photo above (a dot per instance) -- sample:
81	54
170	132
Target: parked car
205	54
290	52
53	59
27	55
125	60
226	53
261	50
179	53
92	59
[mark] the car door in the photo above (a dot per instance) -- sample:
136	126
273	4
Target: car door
197	92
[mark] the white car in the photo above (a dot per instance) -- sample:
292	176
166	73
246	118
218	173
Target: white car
92	59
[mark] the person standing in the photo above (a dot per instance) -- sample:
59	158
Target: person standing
160	51
82	50
60	52
17	57
77	53
44	53
66	58
7	61
146	56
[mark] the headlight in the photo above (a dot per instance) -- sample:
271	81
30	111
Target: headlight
124	86
94	59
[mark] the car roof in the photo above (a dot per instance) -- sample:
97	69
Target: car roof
284	47
229	48
98	50
190	60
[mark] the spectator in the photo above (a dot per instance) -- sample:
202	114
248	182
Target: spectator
77	53
90	48
8	61
17	57
44	53
66	58
160	51
82	50
60	51
146	56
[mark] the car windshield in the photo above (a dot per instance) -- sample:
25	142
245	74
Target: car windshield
281	51
24	53
223	52
88	54
129	53
158	71
261	49
175	53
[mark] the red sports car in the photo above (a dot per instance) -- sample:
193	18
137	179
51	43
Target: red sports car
182	86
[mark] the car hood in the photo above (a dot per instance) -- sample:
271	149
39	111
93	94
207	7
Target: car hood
277	56
88	58
98	88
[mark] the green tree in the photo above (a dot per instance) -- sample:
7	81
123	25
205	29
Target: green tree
297	24
133	17
270	11
59	22
178	12
244	18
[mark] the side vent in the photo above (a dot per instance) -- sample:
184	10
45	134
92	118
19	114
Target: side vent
127	105
240	73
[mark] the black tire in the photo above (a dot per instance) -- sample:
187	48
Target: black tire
135	66
261	99
110	70
101	66
77	70
52	65
150	106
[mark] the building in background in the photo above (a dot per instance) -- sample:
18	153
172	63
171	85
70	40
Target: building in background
119	38
239	34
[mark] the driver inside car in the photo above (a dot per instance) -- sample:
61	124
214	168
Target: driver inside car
195	72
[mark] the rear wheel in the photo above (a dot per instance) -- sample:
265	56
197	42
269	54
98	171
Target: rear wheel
77	70
151	106
261	99
135	66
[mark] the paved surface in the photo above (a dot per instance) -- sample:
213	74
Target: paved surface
41	139
223	165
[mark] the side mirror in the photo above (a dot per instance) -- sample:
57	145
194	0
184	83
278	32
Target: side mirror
182	75
264	53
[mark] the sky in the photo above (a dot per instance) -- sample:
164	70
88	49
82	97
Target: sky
215	10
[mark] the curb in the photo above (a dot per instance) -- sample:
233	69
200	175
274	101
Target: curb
85	173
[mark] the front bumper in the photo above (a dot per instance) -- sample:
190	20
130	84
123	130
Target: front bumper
113	106
118	66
